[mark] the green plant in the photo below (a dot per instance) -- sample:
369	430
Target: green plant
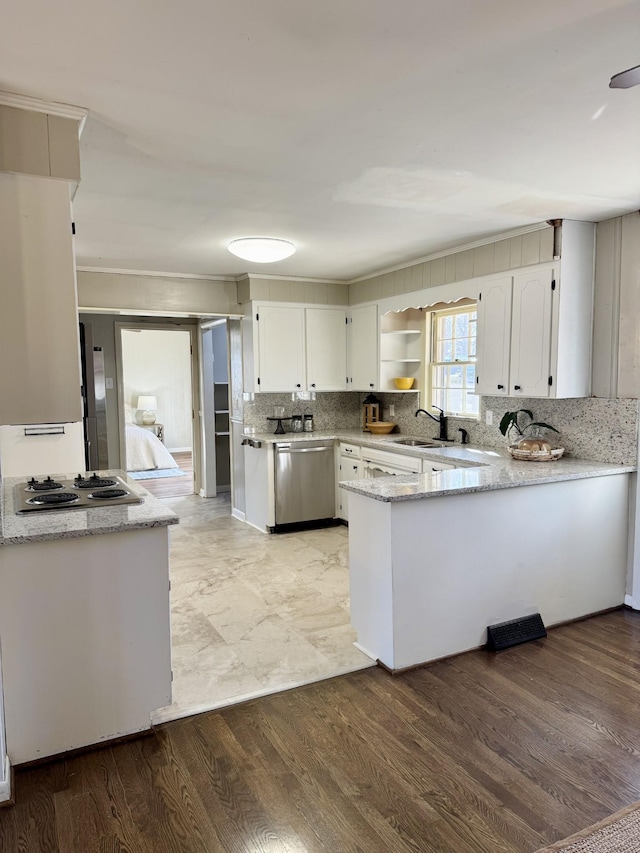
510	421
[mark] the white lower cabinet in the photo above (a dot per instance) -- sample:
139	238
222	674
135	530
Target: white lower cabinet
384	463
348	467
259	484
86	639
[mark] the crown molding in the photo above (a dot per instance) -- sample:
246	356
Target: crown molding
463	247
155	274
304	279
248	276
53	108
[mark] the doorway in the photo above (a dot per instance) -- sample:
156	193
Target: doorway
157	403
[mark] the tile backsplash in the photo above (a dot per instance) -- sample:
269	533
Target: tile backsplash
590	428
339	410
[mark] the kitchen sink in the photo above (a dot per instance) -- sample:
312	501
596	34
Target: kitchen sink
415	442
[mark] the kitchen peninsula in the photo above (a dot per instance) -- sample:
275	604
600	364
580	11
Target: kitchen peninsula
84	622
436	557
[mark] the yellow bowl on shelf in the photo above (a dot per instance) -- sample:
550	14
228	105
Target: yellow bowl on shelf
380	427
404	383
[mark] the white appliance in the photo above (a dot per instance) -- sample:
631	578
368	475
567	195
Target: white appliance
33	449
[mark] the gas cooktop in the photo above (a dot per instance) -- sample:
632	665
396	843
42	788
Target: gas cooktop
86	491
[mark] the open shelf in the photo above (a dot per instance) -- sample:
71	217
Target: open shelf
402	345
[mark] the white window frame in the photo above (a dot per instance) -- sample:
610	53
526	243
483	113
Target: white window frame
432	363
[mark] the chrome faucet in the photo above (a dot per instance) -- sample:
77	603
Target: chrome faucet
442	420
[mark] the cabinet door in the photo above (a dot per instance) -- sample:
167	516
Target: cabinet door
494	337
363	348
281	361
40	381
326	330
348	469
531	334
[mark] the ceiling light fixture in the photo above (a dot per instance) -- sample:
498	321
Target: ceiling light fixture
626	79
261	250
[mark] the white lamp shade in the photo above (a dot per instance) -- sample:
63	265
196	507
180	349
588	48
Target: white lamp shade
147	402
261	250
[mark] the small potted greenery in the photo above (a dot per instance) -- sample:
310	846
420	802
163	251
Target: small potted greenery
530	441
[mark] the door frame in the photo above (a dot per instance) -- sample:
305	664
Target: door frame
196	430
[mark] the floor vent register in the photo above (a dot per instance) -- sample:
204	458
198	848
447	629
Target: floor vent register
516	631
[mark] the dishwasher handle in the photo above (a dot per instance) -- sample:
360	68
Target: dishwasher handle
288	449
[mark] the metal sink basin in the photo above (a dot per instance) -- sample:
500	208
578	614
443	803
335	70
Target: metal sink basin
415	442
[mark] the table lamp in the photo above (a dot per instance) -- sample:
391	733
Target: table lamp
149	405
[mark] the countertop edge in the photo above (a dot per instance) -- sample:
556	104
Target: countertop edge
407	488
76	523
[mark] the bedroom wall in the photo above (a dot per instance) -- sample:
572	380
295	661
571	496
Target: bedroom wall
158	362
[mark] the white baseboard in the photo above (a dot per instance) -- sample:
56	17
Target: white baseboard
179	449
236	513
630	601
5	783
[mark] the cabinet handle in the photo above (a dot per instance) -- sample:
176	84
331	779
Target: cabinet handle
298	385
500	387
516	388
371	385
313	384
355	467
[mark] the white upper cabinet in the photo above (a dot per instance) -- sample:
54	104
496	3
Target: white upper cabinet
531	374
494	337
281	350
292	348
326	334
534	329
363	348
40	381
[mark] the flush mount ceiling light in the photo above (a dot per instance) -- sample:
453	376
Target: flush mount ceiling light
261	250
626	79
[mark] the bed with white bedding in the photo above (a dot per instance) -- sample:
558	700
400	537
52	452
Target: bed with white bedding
145	451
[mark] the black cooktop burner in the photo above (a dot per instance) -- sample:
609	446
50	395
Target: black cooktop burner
54	499
92	482
47	485
108	494
87	490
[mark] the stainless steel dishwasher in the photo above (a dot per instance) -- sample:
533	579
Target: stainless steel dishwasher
305	481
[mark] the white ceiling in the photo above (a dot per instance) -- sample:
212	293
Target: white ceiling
368	132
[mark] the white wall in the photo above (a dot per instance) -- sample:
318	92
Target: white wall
158	362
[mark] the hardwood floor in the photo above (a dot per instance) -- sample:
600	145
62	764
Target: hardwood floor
484	753
173	487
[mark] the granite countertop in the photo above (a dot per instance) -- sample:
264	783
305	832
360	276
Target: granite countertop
485	470
480	468
70	524
356	436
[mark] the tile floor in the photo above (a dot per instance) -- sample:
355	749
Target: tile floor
253	613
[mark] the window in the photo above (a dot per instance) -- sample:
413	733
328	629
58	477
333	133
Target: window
453	361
